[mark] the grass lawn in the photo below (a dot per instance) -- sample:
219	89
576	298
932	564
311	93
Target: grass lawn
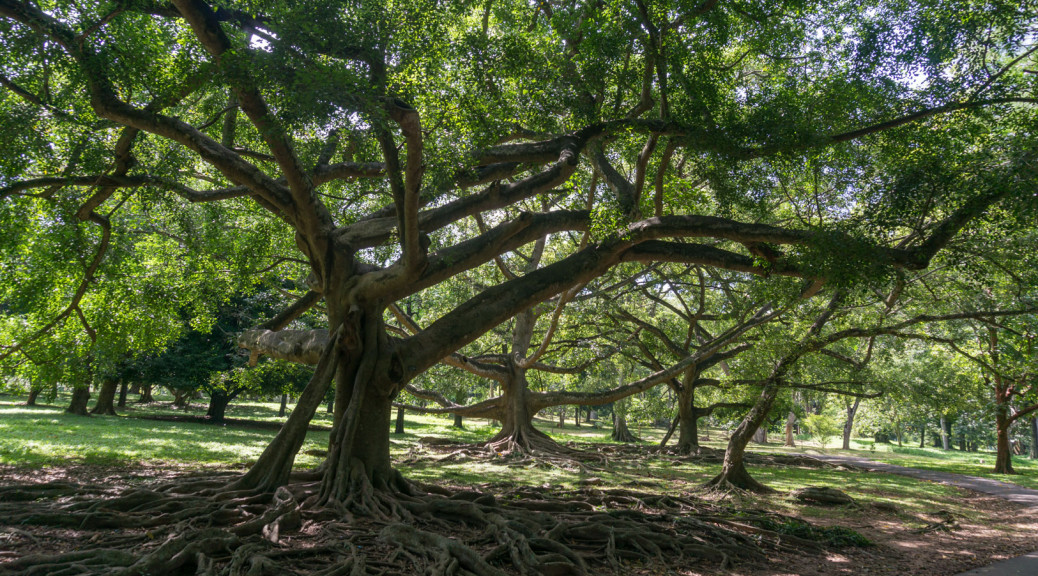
45	436
969	463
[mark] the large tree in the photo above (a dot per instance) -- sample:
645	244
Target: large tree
370	133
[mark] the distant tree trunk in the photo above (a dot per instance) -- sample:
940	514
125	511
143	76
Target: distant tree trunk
106	398
562	417
460	398
33	394
331	405
518	434
1003	456
1034	438
791	419
688	415
897	430
945	434
922	435
576	416
146	397
399	428
123	390
621	433
761	435
284	406
218	402
848	426
80	397
181	398
670	432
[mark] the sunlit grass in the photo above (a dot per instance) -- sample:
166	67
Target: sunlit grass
928	458
46	436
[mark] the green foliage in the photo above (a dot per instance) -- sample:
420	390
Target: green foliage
822	426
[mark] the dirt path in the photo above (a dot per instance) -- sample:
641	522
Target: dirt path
1025	497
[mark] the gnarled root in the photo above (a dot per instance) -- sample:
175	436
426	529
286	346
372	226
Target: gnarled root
383	525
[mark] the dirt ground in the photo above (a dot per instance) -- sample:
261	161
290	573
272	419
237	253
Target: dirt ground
983	530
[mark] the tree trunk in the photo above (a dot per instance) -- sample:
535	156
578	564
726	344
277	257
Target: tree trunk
922	435
284	406
33	394
945	434
80	397
848	425
106	398
670	432
621	433
1034	438
760	436
518	434
791	419
399	427
562	416
576	416
181	398
459	422
897	431
358	467
688	416
274	466
218	402
123	389
733	470
146	397
1003	456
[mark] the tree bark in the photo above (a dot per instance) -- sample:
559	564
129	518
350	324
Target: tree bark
106	398
1003	455
80	397
848	425
733	469
688	416
274	466
123	389
218	402
459	422
399	427
621	433
1034	438
518	433
146	397
922	434
181	398
284	406
760	436
370	377
33	395
945	434
791	419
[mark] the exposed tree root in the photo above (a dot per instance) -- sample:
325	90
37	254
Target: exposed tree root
387	526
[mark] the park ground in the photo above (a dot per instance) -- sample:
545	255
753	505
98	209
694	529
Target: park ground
911	527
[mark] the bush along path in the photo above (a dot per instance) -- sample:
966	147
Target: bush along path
1026	497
